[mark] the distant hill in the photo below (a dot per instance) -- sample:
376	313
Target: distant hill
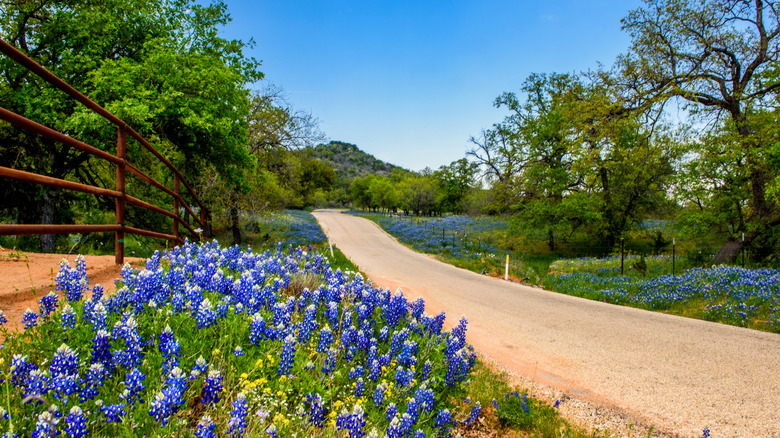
350	162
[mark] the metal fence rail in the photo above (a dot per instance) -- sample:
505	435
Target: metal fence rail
120	228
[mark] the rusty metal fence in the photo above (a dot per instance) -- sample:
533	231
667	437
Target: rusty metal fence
120	228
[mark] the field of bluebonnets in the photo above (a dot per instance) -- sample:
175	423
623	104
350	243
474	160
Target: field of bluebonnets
293	227
460	237
211	341
726	294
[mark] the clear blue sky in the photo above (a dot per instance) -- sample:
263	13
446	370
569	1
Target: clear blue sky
411	81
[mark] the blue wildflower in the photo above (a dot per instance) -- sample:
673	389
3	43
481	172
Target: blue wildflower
212	388
316	410
68	317
30	319
206	428
77	423
237	422
288	356
47	305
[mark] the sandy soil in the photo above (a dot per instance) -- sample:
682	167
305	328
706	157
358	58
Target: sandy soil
617	364
26	277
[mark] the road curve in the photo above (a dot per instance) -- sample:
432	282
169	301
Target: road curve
677	374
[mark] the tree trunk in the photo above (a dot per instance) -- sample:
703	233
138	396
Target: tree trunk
729	251
47	218
208	232
234	226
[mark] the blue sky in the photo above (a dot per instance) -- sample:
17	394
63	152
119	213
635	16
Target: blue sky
411	81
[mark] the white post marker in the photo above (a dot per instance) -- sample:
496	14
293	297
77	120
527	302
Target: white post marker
330	245
506	271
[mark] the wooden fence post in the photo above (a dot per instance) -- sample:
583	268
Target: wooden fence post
121	153
176	204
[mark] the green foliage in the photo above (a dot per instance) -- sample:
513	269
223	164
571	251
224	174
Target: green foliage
159	65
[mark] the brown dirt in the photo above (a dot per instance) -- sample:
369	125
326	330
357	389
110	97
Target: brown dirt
27	277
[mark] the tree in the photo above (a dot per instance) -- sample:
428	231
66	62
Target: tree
158	65
418	194
722	58
455	182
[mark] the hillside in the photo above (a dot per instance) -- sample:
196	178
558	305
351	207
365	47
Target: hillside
349	161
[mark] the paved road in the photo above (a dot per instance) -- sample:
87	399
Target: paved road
675	373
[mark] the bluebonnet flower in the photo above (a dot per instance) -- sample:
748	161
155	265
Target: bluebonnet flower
391	412
132	355
238	351
168	401
199	368
112	413
237	422
288	356
81	268
395	429
68	317
375	370
77	423
395	309
316	410
495	405
45	426
20	369
97	292
326	339
48	304
169	347
557	404
379	394
330	362
353	423
3	319
101	349
212	387
403	377
425	397
205	317
134	386
94	379
65	385
271	431
257	329
30	319
360	388
354	373
333	313
37	383
206	428
307	324
706	432
64	361
473	415
444	422
97	316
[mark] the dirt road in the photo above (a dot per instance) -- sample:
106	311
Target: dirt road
677	374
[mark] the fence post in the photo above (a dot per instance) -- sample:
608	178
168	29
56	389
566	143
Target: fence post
119	238
621	256
176	204
673	245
